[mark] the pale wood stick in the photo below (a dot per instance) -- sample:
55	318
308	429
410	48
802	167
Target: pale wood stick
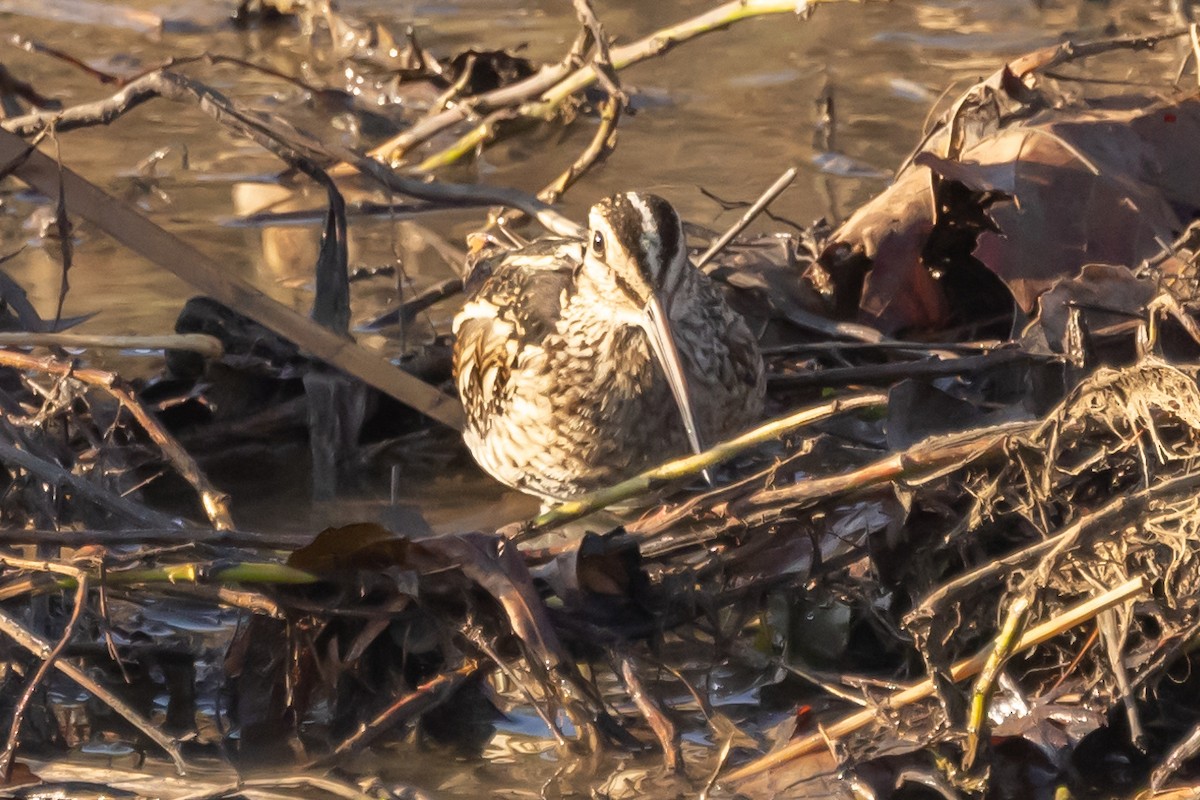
202	343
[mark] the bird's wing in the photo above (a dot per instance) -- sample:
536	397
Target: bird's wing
736	361
503	324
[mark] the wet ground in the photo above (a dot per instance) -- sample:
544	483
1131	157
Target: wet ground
725	114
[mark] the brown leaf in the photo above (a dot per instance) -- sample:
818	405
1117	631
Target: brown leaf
1068	187
361	546
891	232
21	775
1098	187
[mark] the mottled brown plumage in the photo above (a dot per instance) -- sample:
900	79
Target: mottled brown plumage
564	380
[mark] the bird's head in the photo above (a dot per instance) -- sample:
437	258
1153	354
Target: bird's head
636	251
635	246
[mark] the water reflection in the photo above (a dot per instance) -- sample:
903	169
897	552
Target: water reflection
739	110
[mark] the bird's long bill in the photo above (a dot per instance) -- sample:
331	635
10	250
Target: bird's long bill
662	341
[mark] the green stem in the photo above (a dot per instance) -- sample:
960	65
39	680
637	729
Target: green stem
465	145
690	466
985	683
246	572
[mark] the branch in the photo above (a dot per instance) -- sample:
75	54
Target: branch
289	143
215	502
18	714
85	489
134	230
773	191
540	95
202	343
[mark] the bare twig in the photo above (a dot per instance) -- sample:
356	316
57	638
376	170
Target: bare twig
889	373
215	502
693	465
764	200
202	343
464	78
41	48
18	714
12	87
664	730
930	456
131	228
85	489
346	791
159	535
66	235
597	150
201	578
42	649
1038	61
602	63
539	95
470	142
477	638
1194	35
288	143
407	311
393	151
426	696
1121	510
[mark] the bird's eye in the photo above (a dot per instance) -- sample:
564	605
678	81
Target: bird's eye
598	243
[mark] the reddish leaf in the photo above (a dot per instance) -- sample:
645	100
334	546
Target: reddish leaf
1076	186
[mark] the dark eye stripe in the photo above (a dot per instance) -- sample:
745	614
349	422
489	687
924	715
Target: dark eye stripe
625	286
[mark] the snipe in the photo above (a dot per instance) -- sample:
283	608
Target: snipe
580	363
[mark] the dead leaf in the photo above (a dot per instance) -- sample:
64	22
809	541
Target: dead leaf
1104	183
361	546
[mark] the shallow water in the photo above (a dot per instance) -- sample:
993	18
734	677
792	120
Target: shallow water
726	113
